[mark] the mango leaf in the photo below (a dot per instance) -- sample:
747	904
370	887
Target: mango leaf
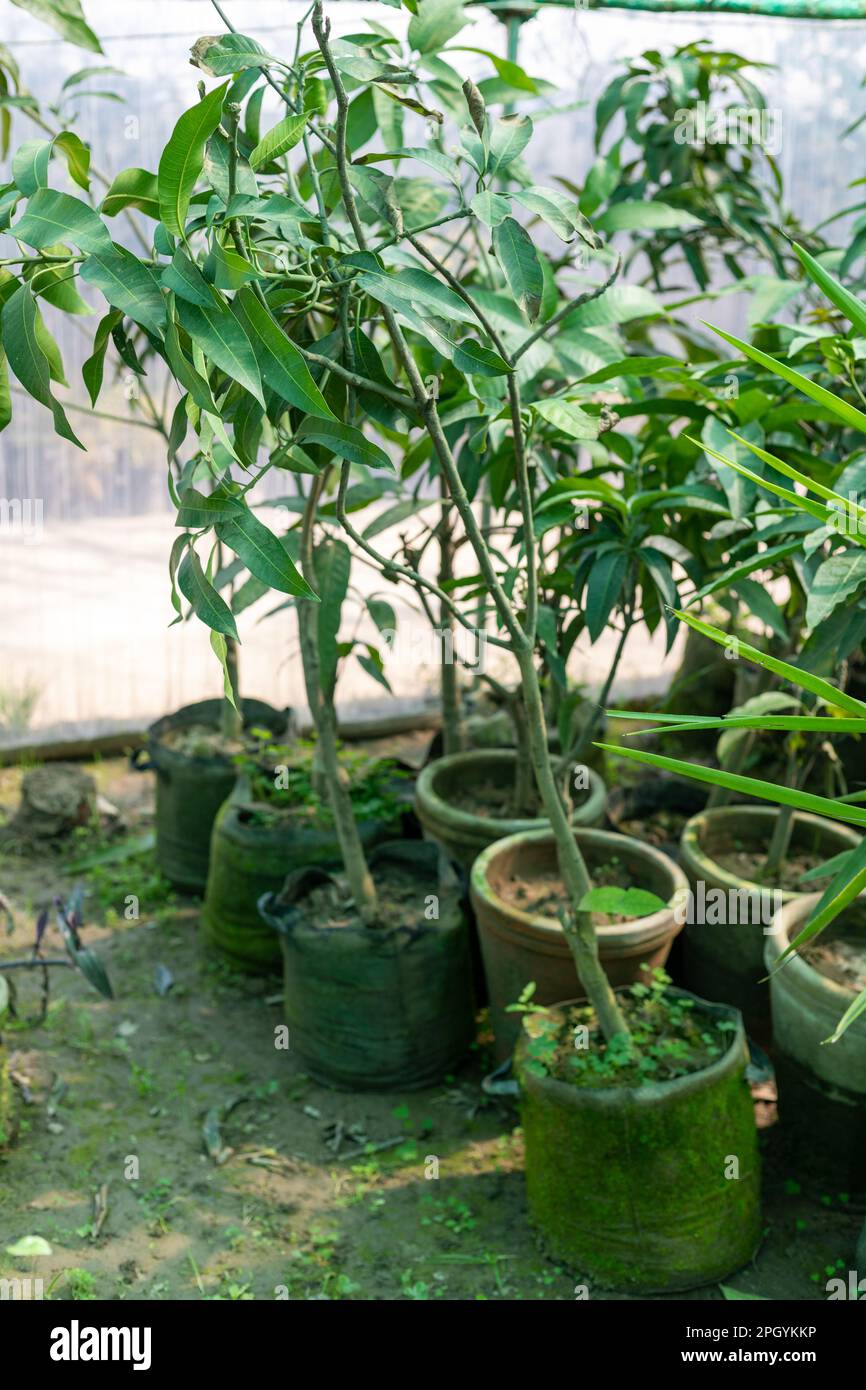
199	509
262	553
128	285
25	339
182	159
53	216
521	267
490	208
66	17
434	23
345	441
223	341
278	141
93	368
835	580
638	216
333	563
185	280
132	188
567	417
509	137
413	288
219	647
622	902
560	212
222	54
30	166
281	365
77	156
603	589
206	603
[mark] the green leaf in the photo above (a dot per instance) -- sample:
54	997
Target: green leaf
621	902
849	413
278	141
223	54
739	491
222	339
25	338
93	368
475	359
414	288
509	137
199	509
132	188
51	216
345	441
219	647
182	159
127	285
434	23
333	563
835	580
185	280
763	560
30	166
795	674
262	554
846	884
490	208
634	216
567	417
561	213
66	17
281	365
77	156
847	303
521	267
603	589
749	786
201	594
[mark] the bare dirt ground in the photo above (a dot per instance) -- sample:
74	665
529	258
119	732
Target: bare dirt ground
322	1194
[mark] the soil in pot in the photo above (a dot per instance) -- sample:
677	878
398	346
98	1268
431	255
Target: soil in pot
516	892
654	810
276	825
642	1167
195	773
466	801
822	1086
724	852
376	1008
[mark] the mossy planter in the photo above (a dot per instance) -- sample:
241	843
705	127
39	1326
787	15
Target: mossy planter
190	790
822	1088
519	946
724	960
378	1009
464	835
635	1188
248	859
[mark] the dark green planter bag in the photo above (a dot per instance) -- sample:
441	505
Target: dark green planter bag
249	859
190	790
377	1008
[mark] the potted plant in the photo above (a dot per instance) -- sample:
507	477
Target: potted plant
805	962
356	257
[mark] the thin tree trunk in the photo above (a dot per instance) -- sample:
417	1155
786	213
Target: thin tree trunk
452	723
324	718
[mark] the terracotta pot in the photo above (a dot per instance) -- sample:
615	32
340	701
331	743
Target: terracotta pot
519	946
634	1186
724	960
822	1088
464	835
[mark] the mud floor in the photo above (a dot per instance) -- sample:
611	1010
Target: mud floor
169	1151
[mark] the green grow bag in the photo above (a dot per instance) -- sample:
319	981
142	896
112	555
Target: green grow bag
377	1008
634	1187
248	859
190	791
